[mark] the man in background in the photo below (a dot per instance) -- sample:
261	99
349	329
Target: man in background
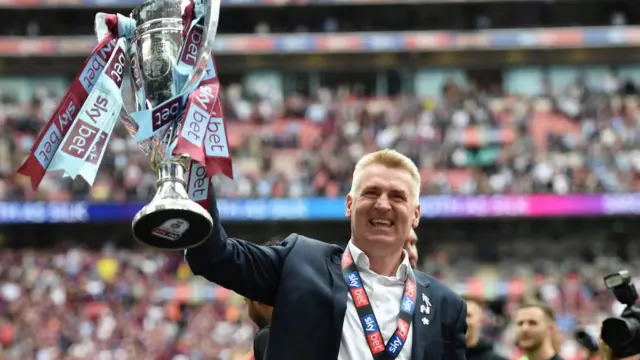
412	249
607	354
477	347
261	315
536	330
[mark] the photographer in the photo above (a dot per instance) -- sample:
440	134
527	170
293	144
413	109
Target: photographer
620	335
588	343
607	354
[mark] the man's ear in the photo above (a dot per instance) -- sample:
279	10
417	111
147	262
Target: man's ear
416	220
348	206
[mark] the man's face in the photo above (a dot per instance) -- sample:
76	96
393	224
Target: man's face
412	249
533	328
474	320
382	209
259	313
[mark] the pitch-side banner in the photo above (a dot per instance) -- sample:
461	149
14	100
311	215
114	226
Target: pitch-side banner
364	42
438	207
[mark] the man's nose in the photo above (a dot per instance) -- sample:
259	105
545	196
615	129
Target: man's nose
383	202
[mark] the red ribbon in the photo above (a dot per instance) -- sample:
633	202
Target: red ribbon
50	138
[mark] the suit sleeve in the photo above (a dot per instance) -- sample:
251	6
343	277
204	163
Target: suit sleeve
459	349
250	270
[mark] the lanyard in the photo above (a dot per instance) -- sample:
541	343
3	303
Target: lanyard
379	350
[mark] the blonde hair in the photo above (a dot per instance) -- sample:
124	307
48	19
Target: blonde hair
391	159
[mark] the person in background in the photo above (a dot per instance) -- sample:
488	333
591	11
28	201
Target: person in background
535	330
261	315
588	343
412	249
607	354
477	348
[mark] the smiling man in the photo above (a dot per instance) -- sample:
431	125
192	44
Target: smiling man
348	304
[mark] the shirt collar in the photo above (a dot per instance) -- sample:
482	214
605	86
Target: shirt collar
362	261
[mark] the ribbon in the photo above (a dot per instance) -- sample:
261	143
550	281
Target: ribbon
188	56
192	138
136	78
49	140
200	108
83	146
198	183
216	145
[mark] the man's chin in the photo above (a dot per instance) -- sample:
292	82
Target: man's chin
528	346
381	239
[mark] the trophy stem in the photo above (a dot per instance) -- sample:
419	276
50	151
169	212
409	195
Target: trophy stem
172	171
171	220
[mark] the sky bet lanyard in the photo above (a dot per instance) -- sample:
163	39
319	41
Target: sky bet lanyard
368	318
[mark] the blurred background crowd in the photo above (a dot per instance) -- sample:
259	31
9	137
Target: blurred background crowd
97	299
578	138
546	113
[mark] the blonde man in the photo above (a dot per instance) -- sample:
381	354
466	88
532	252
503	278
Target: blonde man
357	303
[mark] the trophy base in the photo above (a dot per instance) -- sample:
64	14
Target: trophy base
172	224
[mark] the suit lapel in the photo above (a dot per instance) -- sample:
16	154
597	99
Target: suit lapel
339	289
421	333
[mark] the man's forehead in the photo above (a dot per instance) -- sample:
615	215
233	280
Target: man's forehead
530	313
380	176
473	307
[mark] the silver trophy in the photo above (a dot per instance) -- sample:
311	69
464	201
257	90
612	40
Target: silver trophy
171	220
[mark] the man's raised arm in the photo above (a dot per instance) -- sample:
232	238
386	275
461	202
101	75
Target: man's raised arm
251	270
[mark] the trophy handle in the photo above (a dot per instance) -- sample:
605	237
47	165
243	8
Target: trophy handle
171	221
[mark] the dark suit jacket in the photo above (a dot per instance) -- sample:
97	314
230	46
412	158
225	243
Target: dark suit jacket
303	280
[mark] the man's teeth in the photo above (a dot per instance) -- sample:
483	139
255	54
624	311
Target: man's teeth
381	222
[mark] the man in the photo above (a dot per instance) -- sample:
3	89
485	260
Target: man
607	354
412	249
331	303
477	347
261	315
535	330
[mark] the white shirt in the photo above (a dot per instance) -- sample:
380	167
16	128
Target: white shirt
385	294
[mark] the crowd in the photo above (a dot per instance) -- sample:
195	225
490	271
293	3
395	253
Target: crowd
466	141
114	304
